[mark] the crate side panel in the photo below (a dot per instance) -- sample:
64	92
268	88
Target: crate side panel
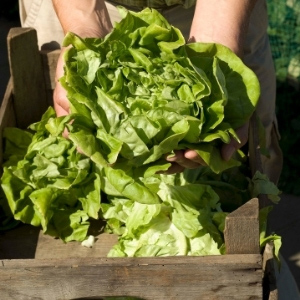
237	277
7	115
241	232
27	75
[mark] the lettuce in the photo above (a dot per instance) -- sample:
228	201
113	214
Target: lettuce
147	93
137	95
52	186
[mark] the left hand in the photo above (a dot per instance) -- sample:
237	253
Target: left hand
189	159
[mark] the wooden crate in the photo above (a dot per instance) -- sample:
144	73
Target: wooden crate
35	266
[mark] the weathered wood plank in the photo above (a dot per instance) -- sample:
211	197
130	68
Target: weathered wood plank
49	61
254	149
26	241
242	229
268	263
209	277
27	76
255	156
7	115
103	243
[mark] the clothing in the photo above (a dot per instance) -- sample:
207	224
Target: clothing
286	284
258	57
40	14
156	3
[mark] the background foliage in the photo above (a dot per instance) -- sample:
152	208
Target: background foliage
284	34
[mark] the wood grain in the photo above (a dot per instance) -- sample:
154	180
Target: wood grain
255	156
242	229
49	61
27	76
209	277
7	115
270	285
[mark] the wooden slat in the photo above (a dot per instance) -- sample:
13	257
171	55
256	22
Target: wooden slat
49	61
270	285
270	291
27	76
26	241
242	229
103	243
210	277
254	148
255	156
7	115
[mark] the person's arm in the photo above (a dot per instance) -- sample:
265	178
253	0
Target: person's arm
85	18
224	22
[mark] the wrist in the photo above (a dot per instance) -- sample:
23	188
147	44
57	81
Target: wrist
84	18
234	44
224	22
88	32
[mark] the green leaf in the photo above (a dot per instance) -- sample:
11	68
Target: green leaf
130	188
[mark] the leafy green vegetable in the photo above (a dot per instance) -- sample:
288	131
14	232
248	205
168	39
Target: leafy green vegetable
148	93
137	95
53	185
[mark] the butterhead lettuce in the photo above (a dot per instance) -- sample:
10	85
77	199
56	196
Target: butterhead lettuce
136	95
147	93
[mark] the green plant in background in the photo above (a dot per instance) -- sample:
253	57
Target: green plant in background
284	34
288	106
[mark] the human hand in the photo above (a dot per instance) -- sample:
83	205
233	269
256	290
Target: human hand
86	19
60	100
189	159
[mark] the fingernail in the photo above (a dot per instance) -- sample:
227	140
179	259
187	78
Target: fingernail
170	156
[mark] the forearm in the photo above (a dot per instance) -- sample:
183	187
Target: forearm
222	21
87	18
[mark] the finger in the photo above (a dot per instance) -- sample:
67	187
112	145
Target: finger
59	113
180	158
60	101
192	155
59	110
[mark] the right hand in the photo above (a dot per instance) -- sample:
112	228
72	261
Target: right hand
60	100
